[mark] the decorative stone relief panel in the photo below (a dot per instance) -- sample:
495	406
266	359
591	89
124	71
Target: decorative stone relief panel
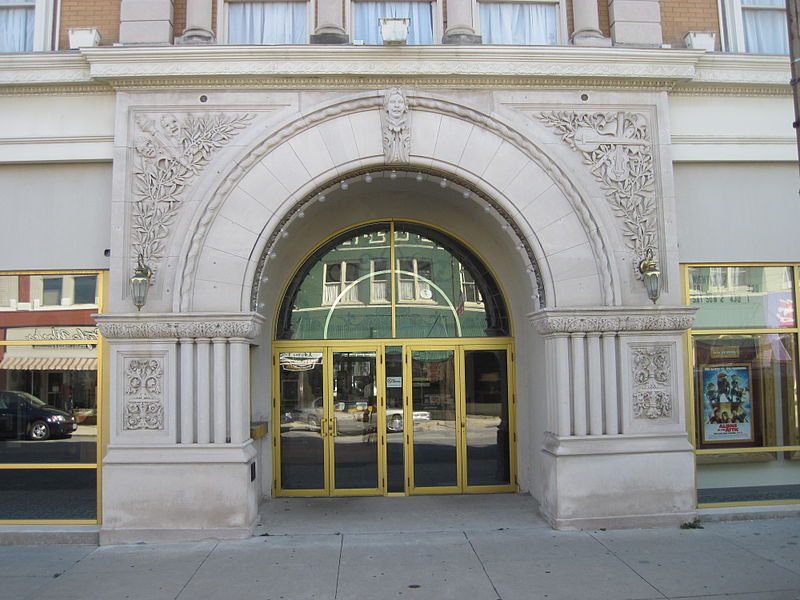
143	391
170	151
618	148
652	376
144	401
652	384
148	326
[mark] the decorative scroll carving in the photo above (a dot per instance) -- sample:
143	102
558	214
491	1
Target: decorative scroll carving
671	319
243	326
619	150
144	403
652	374
395	122
167	158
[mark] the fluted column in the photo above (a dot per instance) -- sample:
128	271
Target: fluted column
610	393
595	383
460	23
578	383
187	410
220	390
198	23
563	395
240	390
203	391
587	24
330	23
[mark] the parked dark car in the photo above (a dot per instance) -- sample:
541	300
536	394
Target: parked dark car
25	416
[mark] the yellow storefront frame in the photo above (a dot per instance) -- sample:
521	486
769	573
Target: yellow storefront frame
101	394
690	387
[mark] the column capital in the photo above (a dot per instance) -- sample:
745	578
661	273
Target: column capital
559	321
179	326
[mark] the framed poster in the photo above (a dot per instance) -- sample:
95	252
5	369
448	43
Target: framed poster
726	404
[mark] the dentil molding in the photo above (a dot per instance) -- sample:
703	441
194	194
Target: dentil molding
611	320
177	326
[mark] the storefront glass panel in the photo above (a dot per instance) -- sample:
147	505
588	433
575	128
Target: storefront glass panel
395	425
744	381
48	494
734	297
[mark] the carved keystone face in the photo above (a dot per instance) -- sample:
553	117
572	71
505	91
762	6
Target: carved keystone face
395	106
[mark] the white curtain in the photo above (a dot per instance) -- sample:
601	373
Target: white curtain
267	23
765	30
16	27
366	15
518	23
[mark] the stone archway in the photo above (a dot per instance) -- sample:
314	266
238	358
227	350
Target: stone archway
498	166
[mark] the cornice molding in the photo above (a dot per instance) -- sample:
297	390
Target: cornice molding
148	326
90	70
564	321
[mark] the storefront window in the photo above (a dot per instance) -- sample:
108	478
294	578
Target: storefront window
745	398
49	408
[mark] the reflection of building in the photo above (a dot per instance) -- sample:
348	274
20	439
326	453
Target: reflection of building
447	231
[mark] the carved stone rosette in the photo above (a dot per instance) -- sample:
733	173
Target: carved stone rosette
180	325
652	382
619	151
169	154
143	401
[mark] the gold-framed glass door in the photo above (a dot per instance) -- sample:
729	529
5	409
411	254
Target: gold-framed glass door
394	417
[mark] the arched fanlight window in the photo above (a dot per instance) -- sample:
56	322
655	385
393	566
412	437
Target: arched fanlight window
392	280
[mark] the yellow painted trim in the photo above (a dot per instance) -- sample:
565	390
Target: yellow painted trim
48	522
744	504
751	449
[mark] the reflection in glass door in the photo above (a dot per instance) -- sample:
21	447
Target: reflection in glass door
435	439
301	414
352	422
487	418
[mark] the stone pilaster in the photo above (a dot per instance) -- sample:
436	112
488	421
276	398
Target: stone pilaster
330	23
460	20
198	23
587	24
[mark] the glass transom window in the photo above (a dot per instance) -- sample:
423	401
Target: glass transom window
392	280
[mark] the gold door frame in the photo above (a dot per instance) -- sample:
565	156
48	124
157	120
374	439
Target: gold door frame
328	347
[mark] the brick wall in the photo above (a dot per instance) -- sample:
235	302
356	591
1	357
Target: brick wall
103	14
681	16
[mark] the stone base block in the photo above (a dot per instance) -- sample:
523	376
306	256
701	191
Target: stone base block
462	39
176	497
617	482
329	37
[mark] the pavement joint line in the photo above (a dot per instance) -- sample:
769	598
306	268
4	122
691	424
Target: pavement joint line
759	555
202	562
339	566
485	572
624	562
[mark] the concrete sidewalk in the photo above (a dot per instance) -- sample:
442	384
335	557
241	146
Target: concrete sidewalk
460	547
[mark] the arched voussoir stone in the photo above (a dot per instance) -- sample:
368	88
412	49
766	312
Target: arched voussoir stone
290	166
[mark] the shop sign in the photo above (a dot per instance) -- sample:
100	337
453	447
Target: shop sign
300	361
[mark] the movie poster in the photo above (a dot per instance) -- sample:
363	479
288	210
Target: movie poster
727	403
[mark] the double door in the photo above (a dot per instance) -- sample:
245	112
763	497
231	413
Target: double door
361	419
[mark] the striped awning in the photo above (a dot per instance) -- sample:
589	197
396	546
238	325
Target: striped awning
48	363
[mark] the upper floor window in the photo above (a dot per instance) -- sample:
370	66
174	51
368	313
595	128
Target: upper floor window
524	23
16	25
755	26
366	29
267	22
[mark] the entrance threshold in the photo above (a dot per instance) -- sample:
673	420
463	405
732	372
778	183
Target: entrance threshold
391	514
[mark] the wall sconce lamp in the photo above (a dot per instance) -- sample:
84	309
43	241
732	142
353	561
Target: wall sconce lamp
651	276
140	283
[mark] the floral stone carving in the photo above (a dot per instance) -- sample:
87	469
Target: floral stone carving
167	158
652	376
618	148
144	402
